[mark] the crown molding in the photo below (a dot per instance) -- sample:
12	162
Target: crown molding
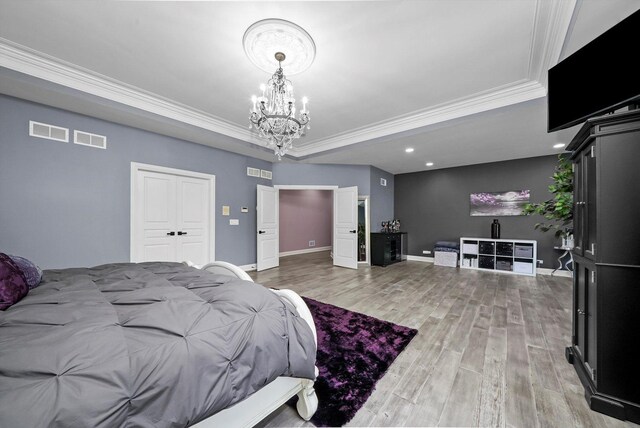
550	28
37	64
495	98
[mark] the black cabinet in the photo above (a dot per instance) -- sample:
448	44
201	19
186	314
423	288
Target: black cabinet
388	248
605	349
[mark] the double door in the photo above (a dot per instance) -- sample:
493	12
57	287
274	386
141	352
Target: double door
172	213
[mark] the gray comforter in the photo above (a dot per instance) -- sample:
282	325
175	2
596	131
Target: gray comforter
143	345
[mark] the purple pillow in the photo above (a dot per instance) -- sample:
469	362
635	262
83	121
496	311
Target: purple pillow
13	285
32	273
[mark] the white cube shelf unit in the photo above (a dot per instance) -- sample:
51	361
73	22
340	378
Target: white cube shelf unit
515	256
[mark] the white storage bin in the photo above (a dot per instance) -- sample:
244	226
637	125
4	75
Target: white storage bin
523	267
444	258
469	248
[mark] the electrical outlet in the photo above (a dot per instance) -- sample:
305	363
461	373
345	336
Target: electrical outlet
312	243
426	252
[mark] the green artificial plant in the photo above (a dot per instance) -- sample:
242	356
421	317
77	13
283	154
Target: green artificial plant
559	209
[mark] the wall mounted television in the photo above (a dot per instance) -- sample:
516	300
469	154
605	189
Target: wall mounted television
597	79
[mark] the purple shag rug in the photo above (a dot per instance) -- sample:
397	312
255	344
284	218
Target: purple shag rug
354	352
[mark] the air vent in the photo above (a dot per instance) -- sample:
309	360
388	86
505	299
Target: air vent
91	140
253	172
50	132
266	174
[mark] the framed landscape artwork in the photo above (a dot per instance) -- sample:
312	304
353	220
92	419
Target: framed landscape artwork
494	204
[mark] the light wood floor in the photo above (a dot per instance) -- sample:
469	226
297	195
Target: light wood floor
489	352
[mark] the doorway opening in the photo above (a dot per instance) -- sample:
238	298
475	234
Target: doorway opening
363	229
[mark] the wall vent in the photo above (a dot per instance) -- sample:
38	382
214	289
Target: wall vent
253	172
50	132
383	181
91	140
266	174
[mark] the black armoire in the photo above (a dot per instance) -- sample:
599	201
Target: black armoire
605	349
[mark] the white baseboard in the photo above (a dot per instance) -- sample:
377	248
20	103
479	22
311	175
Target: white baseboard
305	251
248	268
420	259
545	271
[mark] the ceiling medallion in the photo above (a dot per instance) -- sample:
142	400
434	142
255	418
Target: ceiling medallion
273	114
265	38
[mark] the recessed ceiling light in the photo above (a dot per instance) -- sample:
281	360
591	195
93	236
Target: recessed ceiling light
429	164
409	150
558	146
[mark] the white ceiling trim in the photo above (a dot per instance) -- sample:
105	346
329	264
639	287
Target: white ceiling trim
25	60
551	23
495	98
550	28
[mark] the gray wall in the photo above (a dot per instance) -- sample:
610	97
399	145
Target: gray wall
381	198
322	175
68	205
434	205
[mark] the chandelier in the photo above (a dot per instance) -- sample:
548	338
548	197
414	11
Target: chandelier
273	114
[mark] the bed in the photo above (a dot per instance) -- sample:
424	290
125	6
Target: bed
154	345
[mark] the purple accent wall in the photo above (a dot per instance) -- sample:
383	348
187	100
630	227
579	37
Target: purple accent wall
305	215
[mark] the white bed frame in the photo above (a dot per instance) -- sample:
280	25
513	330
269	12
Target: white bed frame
259	405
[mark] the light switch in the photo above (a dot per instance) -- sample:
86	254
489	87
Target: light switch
234	221
225	210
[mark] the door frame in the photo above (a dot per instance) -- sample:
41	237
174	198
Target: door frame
279	187
367	228
137	167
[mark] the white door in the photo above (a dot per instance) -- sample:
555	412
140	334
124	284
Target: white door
192	234
268	236
172	215
345	227
155	213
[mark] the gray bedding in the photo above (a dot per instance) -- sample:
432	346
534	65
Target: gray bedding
143	345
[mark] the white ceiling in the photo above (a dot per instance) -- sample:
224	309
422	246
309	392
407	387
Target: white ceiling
461	81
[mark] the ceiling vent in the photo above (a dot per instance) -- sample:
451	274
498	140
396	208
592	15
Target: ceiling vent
266	174
91	140
253	172
50	132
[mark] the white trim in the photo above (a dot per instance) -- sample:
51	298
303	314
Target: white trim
550	28
305	251
367	228
136	167
517	92
34	63
303	187
563	273
248	268
420	259
551	24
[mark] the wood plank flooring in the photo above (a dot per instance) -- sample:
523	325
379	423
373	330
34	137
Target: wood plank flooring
489	350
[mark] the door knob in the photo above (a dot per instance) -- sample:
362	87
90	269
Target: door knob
171	233
352	231
182	233
261	232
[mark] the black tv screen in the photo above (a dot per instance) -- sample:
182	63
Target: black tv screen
596	79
